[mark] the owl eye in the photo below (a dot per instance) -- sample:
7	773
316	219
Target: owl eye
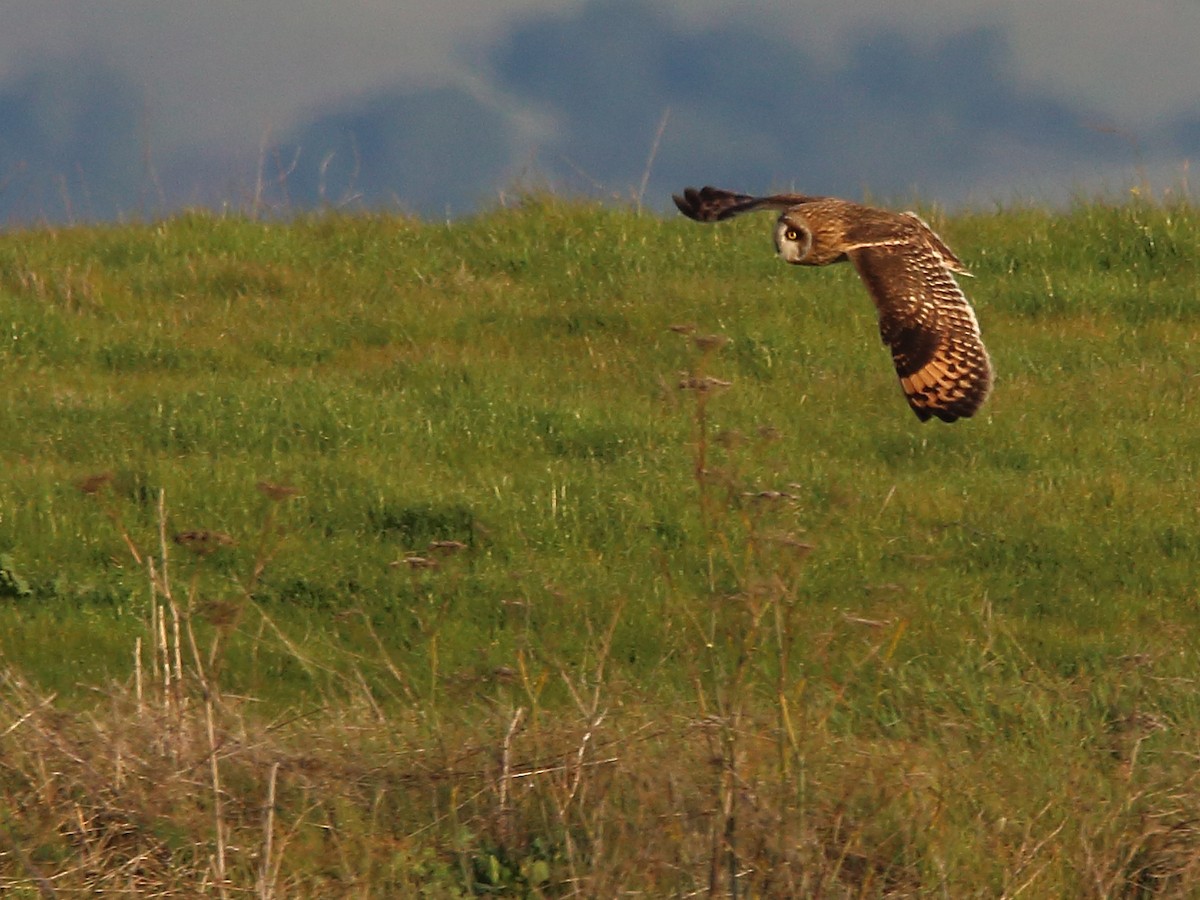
792	234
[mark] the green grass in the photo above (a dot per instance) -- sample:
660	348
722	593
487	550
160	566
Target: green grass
858	655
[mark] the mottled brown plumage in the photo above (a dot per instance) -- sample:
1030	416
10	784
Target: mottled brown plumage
924	318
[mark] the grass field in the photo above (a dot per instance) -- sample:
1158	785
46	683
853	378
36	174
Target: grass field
570	551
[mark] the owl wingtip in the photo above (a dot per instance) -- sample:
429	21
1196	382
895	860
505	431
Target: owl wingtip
688	202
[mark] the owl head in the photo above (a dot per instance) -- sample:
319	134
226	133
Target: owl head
793	239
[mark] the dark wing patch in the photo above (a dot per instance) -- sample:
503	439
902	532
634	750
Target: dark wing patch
929	325
710	204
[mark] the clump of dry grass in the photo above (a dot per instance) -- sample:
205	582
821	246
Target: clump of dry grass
167	794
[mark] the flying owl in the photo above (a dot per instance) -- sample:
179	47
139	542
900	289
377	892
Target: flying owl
924	318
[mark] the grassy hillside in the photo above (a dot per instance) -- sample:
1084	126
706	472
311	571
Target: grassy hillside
566	550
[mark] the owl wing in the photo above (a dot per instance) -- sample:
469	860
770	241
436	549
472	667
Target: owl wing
710	204
926	320
937	245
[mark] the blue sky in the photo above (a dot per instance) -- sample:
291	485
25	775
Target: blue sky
137	107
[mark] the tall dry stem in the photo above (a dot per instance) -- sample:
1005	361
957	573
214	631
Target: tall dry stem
266	868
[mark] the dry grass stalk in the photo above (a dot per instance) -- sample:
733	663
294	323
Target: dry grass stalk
268	870
218	803
506	773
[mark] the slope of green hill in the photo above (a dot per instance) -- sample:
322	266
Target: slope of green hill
567	549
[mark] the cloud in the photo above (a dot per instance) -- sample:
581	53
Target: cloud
890	116
228	71
391	105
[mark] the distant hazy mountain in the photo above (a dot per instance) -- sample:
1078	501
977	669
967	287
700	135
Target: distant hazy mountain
436	152
69	143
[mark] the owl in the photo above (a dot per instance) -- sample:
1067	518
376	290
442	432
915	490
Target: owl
924	318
